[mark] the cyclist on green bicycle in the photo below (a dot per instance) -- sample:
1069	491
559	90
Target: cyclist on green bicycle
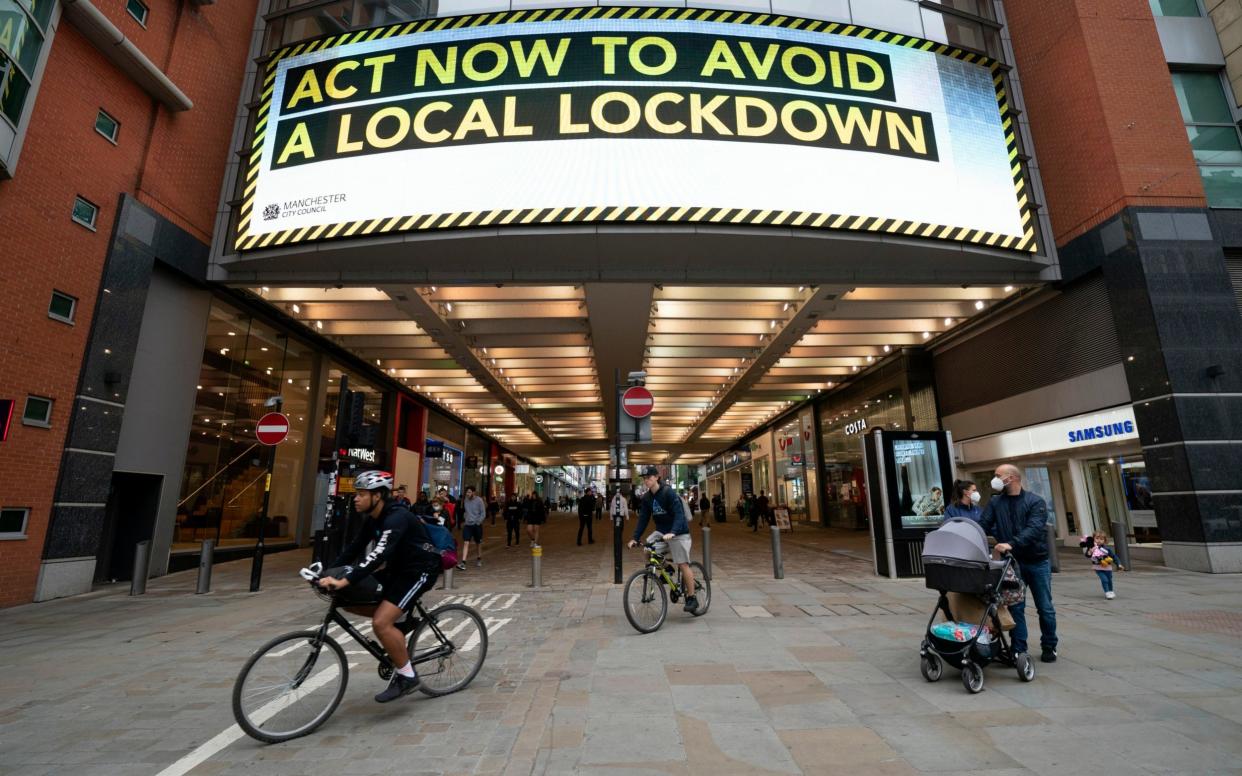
662	504
411	566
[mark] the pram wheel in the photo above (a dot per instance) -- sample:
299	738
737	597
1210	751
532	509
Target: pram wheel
1026	669
932	667
972	677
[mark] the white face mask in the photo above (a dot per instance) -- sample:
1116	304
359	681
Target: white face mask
998	484
974	497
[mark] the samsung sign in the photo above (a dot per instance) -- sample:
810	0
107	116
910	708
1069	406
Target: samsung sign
603	115
1096	433
1059	436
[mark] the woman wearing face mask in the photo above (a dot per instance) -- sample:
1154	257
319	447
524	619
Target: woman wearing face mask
965	501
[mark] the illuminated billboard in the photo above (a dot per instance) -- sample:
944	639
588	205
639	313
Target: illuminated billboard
632	115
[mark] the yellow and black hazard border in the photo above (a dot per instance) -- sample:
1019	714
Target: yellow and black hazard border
246	241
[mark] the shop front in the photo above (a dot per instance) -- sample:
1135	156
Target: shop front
1089	468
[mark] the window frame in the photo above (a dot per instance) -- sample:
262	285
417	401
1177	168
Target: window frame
116	132
16	535
1198	4
1232	124
73	307
146	9
94	216
27	421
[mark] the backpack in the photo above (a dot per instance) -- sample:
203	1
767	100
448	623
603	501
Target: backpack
442	544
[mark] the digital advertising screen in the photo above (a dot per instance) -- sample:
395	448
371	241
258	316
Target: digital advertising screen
920	494
632	115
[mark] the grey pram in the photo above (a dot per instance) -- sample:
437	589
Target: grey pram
956	559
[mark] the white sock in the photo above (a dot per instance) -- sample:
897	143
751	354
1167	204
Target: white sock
407	671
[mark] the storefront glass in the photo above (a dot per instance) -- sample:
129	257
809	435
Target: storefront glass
1121	491
791	489
247	365
842	428
373	409
443	468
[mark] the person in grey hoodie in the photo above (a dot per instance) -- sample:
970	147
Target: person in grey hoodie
474	511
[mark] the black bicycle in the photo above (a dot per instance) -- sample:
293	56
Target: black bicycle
293	683
645	596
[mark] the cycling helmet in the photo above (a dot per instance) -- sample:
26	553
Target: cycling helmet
373	480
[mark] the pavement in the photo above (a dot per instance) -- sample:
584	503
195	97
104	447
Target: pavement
816	673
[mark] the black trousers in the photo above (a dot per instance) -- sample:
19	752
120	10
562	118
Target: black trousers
513	528
584	521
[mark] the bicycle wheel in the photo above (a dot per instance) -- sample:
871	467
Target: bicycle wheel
702	588
646	601
289	687
461	633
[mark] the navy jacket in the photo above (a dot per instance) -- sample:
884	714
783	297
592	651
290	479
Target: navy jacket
1019	521
957	510
664	506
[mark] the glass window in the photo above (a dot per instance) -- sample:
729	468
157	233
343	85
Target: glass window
38	411
1175	8
1213	135
247	366
84	212
13	522
20	37
62	307
107	126
14	86
138	10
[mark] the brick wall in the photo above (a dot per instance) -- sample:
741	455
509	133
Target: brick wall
172	162
1106	125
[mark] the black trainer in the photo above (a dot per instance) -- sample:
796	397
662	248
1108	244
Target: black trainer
1049	655
692	604
398	687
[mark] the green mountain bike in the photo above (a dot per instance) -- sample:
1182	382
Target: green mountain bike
648	590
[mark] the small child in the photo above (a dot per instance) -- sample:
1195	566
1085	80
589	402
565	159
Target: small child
1102	560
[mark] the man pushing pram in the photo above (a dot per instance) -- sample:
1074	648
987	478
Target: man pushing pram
956	559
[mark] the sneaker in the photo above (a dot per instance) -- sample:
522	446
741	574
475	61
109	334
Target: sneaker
1049	655
398	687
692	604
1110	595
479	563
461	566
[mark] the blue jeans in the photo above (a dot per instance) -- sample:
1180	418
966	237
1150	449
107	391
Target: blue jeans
1106	580
1038	578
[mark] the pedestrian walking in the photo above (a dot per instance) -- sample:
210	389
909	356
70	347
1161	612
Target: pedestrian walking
513	521
1017	518
586	511
965	501
474	511
536	516
1103	560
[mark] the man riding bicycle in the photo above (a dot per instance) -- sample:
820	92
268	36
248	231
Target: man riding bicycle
410	568
662	504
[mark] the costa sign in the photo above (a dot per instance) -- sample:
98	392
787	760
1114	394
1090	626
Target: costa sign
829	126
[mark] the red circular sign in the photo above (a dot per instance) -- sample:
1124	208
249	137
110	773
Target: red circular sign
637	402
272	428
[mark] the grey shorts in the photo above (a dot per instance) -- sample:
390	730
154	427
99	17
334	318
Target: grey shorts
678	547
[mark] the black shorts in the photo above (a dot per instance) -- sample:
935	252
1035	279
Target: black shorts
536	520
472	533
402	590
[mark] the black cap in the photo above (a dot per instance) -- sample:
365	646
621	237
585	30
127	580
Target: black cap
650	471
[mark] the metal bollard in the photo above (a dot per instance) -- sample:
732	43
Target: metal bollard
1121	544
536	567
205	558
778	565
446	579
142	561
1053	556
707	552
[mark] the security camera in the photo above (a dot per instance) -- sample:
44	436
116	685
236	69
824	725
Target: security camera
274	401
637	377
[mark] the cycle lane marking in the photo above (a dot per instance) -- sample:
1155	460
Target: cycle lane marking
222	740
233	733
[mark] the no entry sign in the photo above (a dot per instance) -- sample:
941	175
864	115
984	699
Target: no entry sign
272	428
637	402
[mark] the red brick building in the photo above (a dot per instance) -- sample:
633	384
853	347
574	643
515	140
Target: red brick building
163	79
